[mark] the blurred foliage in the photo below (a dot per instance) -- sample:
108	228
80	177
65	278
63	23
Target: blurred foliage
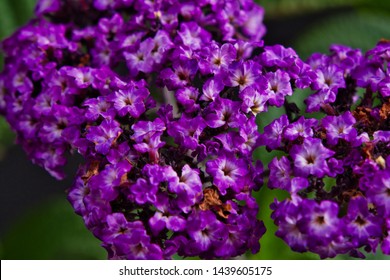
6	137
14	14
358	30
51	231
286	8
356	23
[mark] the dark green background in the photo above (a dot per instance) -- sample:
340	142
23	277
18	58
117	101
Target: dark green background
36	220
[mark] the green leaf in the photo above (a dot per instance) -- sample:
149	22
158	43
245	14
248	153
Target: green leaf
51	231
22	10
358	30
7	20
279	8
14	14
7	137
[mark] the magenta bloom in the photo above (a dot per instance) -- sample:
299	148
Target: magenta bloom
340	127
273	133
104	135
310	158
278	87
129	101
243	74
226	171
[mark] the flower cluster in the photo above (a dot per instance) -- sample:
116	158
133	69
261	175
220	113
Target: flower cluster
78	50
336	169
160	99
177	175
182	175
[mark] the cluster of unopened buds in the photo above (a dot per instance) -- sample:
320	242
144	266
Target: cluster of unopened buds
160	98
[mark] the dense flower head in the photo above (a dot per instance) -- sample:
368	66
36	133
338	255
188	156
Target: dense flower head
336	168
79	60
160	98
178	169
151	94
148	92
181	165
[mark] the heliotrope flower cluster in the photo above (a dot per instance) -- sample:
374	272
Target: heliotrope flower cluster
75	50
163	179
337	168
162	111
160	98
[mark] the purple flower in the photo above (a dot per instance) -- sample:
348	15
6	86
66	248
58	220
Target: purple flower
106	181
129	101
340	127
81	77
218	58
317	101
250	137
161	220
147	135
345	57
76	196
141	60
118	227
212	89
302	128
224	112
63	120
368	74
99	107
360	223
193	36
47	6
310	158
243	74
181	74
254	101
280	173
272	136
186	131
226	172
330	78
205	231
379	191
160	174
278	55
104	135
231	141
166	217
188	187
138	247
187	97
320	221
143	191
278	86
287	215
